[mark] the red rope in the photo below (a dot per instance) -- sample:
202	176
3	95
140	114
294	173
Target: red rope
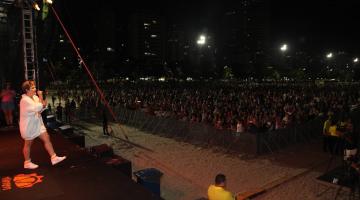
82	62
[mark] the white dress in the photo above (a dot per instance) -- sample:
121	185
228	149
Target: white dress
31	124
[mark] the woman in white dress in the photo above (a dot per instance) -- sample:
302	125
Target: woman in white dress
31	124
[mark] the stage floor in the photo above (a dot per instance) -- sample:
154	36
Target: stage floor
80	176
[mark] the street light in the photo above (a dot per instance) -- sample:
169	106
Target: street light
284	47
202	40
329	55
356	60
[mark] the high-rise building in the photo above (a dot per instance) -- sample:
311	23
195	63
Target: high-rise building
10	42
3	39
243	31
147	39
176	43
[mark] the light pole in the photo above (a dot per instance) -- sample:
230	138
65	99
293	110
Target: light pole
284	58
329	68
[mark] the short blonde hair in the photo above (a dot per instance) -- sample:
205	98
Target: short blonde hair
27	85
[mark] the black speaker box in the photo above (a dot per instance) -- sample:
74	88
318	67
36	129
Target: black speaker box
53	125
50	118
66	130
121	164
77	139
102	150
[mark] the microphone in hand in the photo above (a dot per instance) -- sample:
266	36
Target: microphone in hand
39	93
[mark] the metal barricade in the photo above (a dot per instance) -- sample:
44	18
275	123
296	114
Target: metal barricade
202	134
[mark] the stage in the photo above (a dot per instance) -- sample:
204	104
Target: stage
80	176
338	182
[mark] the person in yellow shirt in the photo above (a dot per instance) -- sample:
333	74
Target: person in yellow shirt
326	134
218	191
335	138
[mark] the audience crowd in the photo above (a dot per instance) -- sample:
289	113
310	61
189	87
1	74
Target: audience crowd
226	105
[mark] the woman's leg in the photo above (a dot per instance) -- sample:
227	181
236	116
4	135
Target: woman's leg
11	118
8	117
47	143
27	149
50	149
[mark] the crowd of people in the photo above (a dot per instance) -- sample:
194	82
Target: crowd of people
239	107
235	106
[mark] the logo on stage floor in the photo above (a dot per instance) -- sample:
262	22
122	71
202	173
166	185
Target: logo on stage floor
20	181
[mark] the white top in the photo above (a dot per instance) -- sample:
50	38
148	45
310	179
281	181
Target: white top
31	124
239	128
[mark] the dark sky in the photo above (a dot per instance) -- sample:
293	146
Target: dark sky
328	24
331	24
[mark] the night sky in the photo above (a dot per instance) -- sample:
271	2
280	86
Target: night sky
328	24
317	24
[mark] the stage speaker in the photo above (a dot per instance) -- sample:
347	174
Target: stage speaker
50	118
53	127
66	129
121	164
102	150
77	139
52	124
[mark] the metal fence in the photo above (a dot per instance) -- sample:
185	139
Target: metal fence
302	133
207	136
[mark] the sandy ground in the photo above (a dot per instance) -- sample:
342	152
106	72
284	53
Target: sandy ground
188	169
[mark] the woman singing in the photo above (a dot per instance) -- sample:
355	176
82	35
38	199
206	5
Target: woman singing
31	124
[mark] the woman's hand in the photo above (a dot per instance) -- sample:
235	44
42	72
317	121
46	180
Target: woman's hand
40	93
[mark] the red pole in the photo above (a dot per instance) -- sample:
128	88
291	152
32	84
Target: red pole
82	62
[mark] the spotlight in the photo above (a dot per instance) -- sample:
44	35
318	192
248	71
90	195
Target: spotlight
36	6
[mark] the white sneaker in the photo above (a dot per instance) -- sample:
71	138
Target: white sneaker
30	165
56	159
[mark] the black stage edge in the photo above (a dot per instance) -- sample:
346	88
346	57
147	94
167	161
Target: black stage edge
340	181
80	176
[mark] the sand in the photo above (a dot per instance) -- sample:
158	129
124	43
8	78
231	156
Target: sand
188	170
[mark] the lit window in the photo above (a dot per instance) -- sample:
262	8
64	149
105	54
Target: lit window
153	36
